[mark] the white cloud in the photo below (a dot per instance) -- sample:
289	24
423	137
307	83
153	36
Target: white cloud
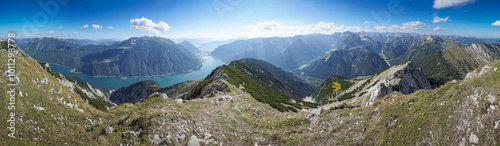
110	27
366	22
411	26
85	26
497	23
60	26
64	33
439	4
438	28
438	20
75	32
95	26
147	25
52	32
273	28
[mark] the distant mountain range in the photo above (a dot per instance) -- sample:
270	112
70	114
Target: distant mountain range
287	53
135	57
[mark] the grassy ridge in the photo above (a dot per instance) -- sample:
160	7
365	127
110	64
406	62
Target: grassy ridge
262	93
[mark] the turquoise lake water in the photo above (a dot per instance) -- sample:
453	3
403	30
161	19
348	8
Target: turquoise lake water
208	65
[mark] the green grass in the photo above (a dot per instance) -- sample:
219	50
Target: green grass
261	92
98	104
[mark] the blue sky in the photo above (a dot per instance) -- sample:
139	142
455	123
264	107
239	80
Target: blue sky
226	19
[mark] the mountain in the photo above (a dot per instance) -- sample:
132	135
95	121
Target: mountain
498	42
264	81
398	46
384	37
210	46
462	112
136	92
454	62
419	48
135	57
404	78
140	57
285	52
464	40
359	39
351	63
188	46
298	53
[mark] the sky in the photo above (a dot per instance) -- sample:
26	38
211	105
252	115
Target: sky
228	19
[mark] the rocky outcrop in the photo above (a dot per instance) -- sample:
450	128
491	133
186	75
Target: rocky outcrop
475	73
405	78
136	92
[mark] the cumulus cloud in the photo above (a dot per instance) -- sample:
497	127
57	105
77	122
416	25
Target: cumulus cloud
438	20
60	26
52	32
85	26
75	32
147	25
411	26
438	28
366	22
110	27
497	23
440	4
96	26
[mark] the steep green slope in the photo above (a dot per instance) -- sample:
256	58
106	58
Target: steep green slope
325	91
265	82
298	88
262	92
47	110
454	62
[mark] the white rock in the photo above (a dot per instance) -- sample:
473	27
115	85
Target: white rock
38	108
491	98
473	138
194	141
45	81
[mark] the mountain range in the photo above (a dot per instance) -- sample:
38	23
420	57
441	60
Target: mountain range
135	57
244	103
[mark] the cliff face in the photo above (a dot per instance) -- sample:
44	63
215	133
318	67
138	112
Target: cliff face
404	78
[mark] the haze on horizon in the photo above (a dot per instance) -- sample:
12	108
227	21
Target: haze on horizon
230	19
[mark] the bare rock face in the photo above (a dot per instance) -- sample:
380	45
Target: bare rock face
404	78
475	73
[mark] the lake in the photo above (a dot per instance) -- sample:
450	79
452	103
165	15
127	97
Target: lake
209	64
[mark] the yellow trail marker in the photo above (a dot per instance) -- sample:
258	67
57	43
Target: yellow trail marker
336	86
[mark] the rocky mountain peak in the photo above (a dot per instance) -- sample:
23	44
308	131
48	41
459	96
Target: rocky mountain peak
405	78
